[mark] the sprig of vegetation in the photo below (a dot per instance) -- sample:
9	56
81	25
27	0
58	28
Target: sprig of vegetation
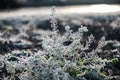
63	58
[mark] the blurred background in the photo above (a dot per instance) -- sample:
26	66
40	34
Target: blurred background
102	18
102	15
35	3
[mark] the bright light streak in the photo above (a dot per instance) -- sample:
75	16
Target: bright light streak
103	8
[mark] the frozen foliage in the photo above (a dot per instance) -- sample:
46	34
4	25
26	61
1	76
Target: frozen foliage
63	58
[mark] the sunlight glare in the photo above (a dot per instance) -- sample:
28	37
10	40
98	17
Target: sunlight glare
103	8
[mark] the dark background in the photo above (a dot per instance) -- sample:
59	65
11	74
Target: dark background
7	4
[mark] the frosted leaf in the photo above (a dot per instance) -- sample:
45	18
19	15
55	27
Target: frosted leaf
67	28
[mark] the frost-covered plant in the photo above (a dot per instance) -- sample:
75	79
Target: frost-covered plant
64	52
63	58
